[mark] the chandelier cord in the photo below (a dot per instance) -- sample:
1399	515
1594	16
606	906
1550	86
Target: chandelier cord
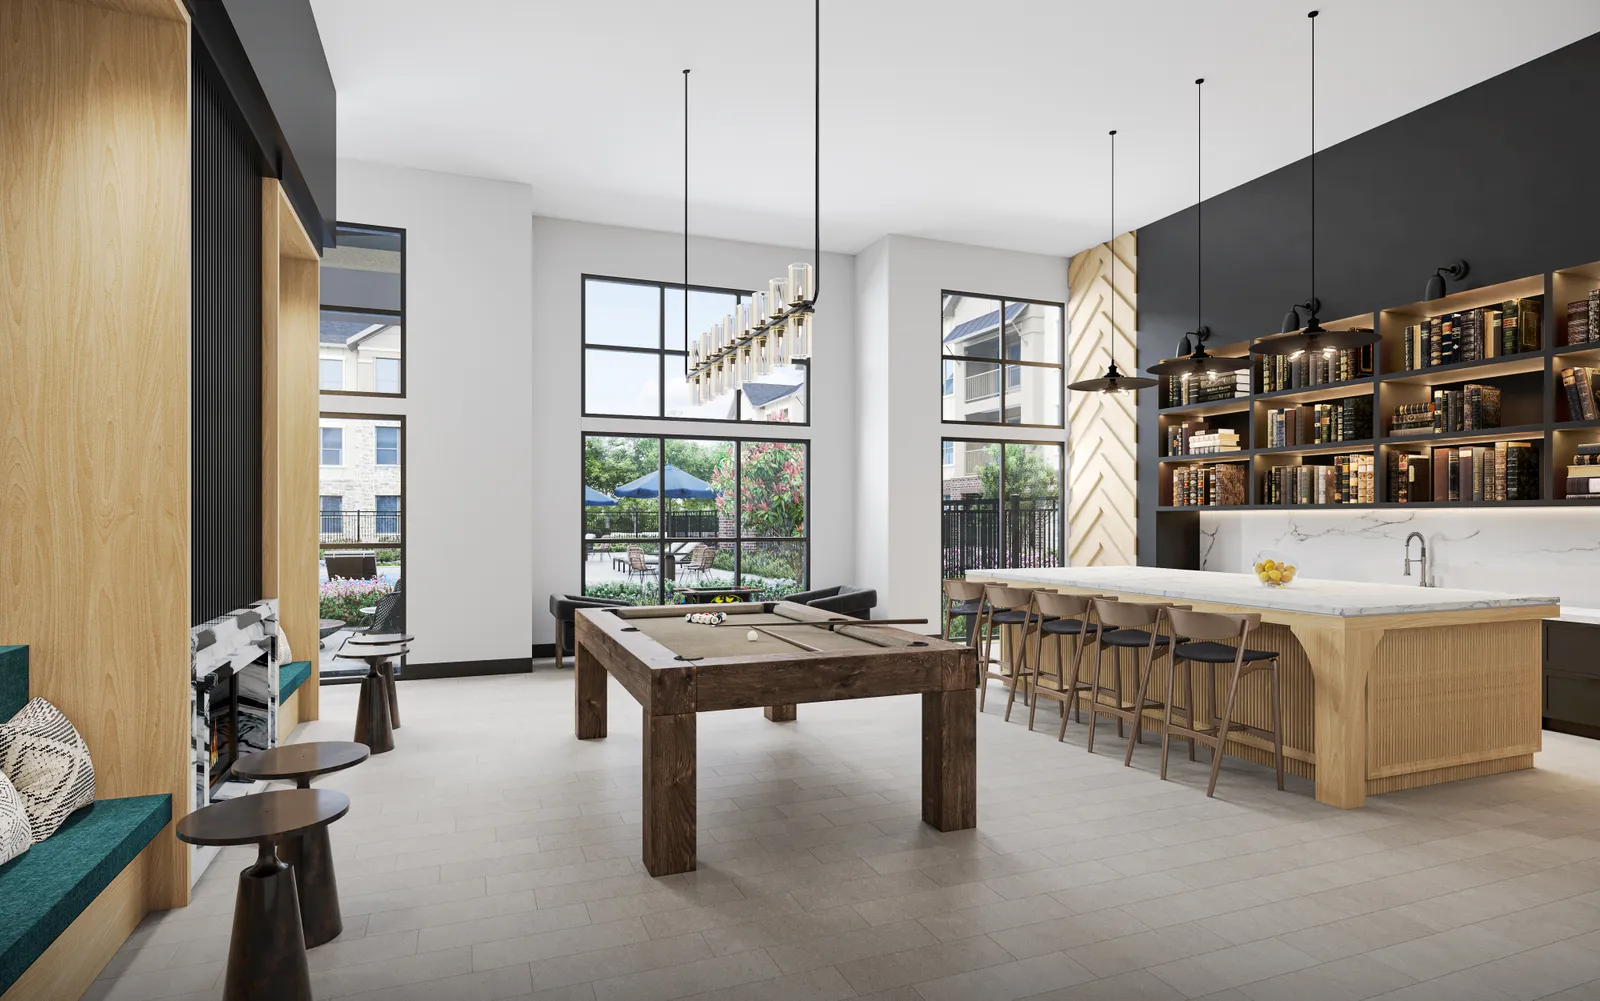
686	209
1112	246
1313	17
816	154
1199	215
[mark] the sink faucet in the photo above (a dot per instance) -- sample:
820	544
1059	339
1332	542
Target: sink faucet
1423	560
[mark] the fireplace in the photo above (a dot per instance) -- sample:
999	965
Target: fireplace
221	698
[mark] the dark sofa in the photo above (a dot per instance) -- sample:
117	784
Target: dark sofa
844	600
565	609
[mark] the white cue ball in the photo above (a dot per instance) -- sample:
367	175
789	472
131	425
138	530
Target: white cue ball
752	635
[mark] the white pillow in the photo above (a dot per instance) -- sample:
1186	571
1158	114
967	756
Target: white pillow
48	762
16	834
284	656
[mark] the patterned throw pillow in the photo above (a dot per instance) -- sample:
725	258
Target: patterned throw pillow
16	834
45	758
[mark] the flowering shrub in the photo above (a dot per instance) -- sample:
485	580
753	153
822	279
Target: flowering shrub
773	476
342	598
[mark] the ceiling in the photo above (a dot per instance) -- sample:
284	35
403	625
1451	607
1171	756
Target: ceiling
976	122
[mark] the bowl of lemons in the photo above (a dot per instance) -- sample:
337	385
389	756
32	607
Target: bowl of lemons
1274	569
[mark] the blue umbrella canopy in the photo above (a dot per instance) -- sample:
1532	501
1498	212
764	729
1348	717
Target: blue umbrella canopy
679	485
594	498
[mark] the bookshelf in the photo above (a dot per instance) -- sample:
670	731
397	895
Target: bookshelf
1534	409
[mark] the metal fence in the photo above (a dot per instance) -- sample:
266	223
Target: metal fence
979	533
359	528
600	522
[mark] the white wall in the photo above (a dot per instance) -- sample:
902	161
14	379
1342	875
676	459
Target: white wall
1542	551
469	486
565	251
899	281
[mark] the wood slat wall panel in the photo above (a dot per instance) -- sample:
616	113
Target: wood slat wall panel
1102	468
94	389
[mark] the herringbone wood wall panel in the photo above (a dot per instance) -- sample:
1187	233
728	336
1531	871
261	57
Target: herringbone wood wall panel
1102	468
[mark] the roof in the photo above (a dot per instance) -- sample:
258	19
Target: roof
762	393
986	322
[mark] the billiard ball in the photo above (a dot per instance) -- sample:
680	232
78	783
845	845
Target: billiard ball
752	635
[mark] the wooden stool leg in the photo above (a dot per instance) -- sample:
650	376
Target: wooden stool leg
983	663
1116	681
1094	690
1166	713
1038	671
1138	702
1222	733
1019	672
1277	723
1188	700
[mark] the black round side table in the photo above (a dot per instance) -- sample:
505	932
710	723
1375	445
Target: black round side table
374	727
386	669
309	851
267	950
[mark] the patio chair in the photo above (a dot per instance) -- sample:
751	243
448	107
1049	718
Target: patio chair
637	565
352	566
701	559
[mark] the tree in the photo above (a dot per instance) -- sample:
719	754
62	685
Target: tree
774	484
1028	475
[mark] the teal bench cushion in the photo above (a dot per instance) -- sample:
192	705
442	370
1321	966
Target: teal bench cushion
51	883
291	676
13	680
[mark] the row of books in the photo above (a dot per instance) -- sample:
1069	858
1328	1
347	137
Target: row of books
1194	438
1348	480
1275	372
1581	393
1408	480
1583	319
1208	486
1180	391
1472	335
1503	471
1473	407
1583	473
1349	419
1409	417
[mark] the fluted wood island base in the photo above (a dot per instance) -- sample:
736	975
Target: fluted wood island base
1386	687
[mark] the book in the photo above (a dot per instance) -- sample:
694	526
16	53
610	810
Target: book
1582	485
1577	322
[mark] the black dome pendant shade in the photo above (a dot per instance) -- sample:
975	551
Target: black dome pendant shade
1113	381
1296	338
1197	361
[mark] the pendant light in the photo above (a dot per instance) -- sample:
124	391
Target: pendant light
1311	336
1113	381
1198	362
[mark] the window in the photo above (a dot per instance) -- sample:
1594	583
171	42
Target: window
733	514
388	514
387	452
635	358
387	373
362	336
332	515
333	446
1002	505
1005	355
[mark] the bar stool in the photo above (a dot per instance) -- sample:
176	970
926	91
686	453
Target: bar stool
963	598
1068	617
1136	626
1009	608
1202	630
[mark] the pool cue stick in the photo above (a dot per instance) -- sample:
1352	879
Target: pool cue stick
852	622
807	647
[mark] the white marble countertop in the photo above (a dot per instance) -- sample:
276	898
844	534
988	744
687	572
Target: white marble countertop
1344	598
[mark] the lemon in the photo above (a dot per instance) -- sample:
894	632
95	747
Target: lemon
1263	575
1275	574
1288	575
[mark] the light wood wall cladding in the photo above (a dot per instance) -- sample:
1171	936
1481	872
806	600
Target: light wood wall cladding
74	960
94	390
1102	467
290	311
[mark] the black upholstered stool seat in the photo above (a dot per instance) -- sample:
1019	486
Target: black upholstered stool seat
972	607
1071	627
1217	653
1016	617
1134	638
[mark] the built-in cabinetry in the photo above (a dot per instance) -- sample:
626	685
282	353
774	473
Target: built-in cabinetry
1571	689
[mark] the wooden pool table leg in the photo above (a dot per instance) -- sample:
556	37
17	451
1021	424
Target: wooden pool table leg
950	759
589	695
669	793
781	714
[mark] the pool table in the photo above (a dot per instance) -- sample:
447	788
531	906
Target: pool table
676	669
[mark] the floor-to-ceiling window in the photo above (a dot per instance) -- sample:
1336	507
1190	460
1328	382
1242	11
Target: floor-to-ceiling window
664	513
1001	361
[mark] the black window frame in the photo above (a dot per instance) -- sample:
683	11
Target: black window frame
1063	522
738	539
1004	365
665	353
398	314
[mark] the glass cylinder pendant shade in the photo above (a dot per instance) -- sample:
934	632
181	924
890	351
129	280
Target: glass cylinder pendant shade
763	358
780	345
758	308
799	283
777	297
729	331
800	336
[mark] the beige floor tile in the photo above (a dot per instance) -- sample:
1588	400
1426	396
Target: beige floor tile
1068	932
687	978
913	966
784	930
1443	953
1140	985
924	903
563	942
813	985
855	891
849	946
1008	981
490	985
1355	935
585	967
1205	974
994	917
1353	979
391	974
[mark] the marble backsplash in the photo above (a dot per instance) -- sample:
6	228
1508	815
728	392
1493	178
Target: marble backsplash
1544	550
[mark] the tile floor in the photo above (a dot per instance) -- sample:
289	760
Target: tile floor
493	856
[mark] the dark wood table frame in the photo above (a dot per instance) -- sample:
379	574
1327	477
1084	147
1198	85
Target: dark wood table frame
671	691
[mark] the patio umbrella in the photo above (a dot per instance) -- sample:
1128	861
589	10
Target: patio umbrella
594	498
679	484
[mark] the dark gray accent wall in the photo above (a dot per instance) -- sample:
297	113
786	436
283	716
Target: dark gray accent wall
1500	175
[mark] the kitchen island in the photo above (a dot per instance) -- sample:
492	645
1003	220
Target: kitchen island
1385	687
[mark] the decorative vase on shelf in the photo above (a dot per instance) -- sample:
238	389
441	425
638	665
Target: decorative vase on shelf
1273	569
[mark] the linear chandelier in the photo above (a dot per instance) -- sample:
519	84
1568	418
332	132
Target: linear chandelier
772	328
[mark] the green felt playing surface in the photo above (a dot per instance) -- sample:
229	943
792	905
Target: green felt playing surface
691	639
